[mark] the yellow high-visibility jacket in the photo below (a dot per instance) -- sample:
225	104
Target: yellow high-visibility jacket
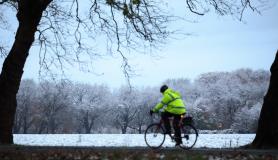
173	102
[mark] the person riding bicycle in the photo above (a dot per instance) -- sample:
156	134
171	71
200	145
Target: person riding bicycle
174	108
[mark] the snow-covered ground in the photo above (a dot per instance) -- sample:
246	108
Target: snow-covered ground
127	140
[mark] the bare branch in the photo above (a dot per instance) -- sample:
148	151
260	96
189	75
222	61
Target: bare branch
192	6
66	34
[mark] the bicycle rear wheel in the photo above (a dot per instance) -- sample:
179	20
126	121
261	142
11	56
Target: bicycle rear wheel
189	136
154	135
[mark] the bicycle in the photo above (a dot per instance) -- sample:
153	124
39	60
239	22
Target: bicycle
155	134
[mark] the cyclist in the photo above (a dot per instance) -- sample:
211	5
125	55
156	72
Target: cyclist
174	108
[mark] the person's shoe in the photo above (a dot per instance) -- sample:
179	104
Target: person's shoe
168	133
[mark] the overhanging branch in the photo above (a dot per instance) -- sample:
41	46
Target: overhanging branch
192	6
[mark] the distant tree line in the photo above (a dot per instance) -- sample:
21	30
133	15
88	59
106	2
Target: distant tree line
216	100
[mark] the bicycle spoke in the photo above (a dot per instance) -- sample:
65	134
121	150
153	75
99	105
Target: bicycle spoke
154	136
189	136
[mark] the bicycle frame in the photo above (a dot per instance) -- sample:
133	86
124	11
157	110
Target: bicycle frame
171	119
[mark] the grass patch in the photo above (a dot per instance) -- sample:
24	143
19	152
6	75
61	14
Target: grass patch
18	152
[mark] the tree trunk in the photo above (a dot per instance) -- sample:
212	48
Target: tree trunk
25	120
124	129
29	15
267	132
17	123
140	129
41	128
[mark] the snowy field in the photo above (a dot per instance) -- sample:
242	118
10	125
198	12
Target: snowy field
127	140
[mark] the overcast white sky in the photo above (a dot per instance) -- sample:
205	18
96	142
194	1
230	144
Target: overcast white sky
217	44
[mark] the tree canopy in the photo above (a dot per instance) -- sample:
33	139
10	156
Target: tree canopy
70	31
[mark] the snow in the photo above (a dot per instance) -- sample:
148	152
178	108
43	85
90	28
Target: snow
127	140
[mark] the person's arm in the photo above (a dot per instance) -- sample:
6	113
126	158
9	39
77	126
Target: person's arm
165	100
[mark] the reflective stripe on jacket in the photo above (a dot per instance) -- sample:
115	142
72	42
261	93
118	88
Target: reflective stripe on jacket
173	102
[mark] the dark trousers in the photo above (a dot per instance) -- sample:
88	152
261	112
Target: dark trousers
165	116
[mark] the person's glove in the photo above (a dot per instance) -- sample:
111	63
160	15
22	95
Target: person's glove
151	112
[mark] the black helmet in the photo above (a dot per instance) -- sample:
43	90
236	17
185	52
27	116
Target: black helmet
163	88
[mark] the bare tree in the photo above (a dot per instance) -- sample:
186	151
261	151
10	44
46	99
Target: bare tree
140	120
123	22
87	119
125	114
26	99
53	102
91	102
146	99
125	110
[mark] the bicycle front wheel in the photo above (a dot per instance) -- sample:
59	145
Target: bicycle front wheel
154	135
189	136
